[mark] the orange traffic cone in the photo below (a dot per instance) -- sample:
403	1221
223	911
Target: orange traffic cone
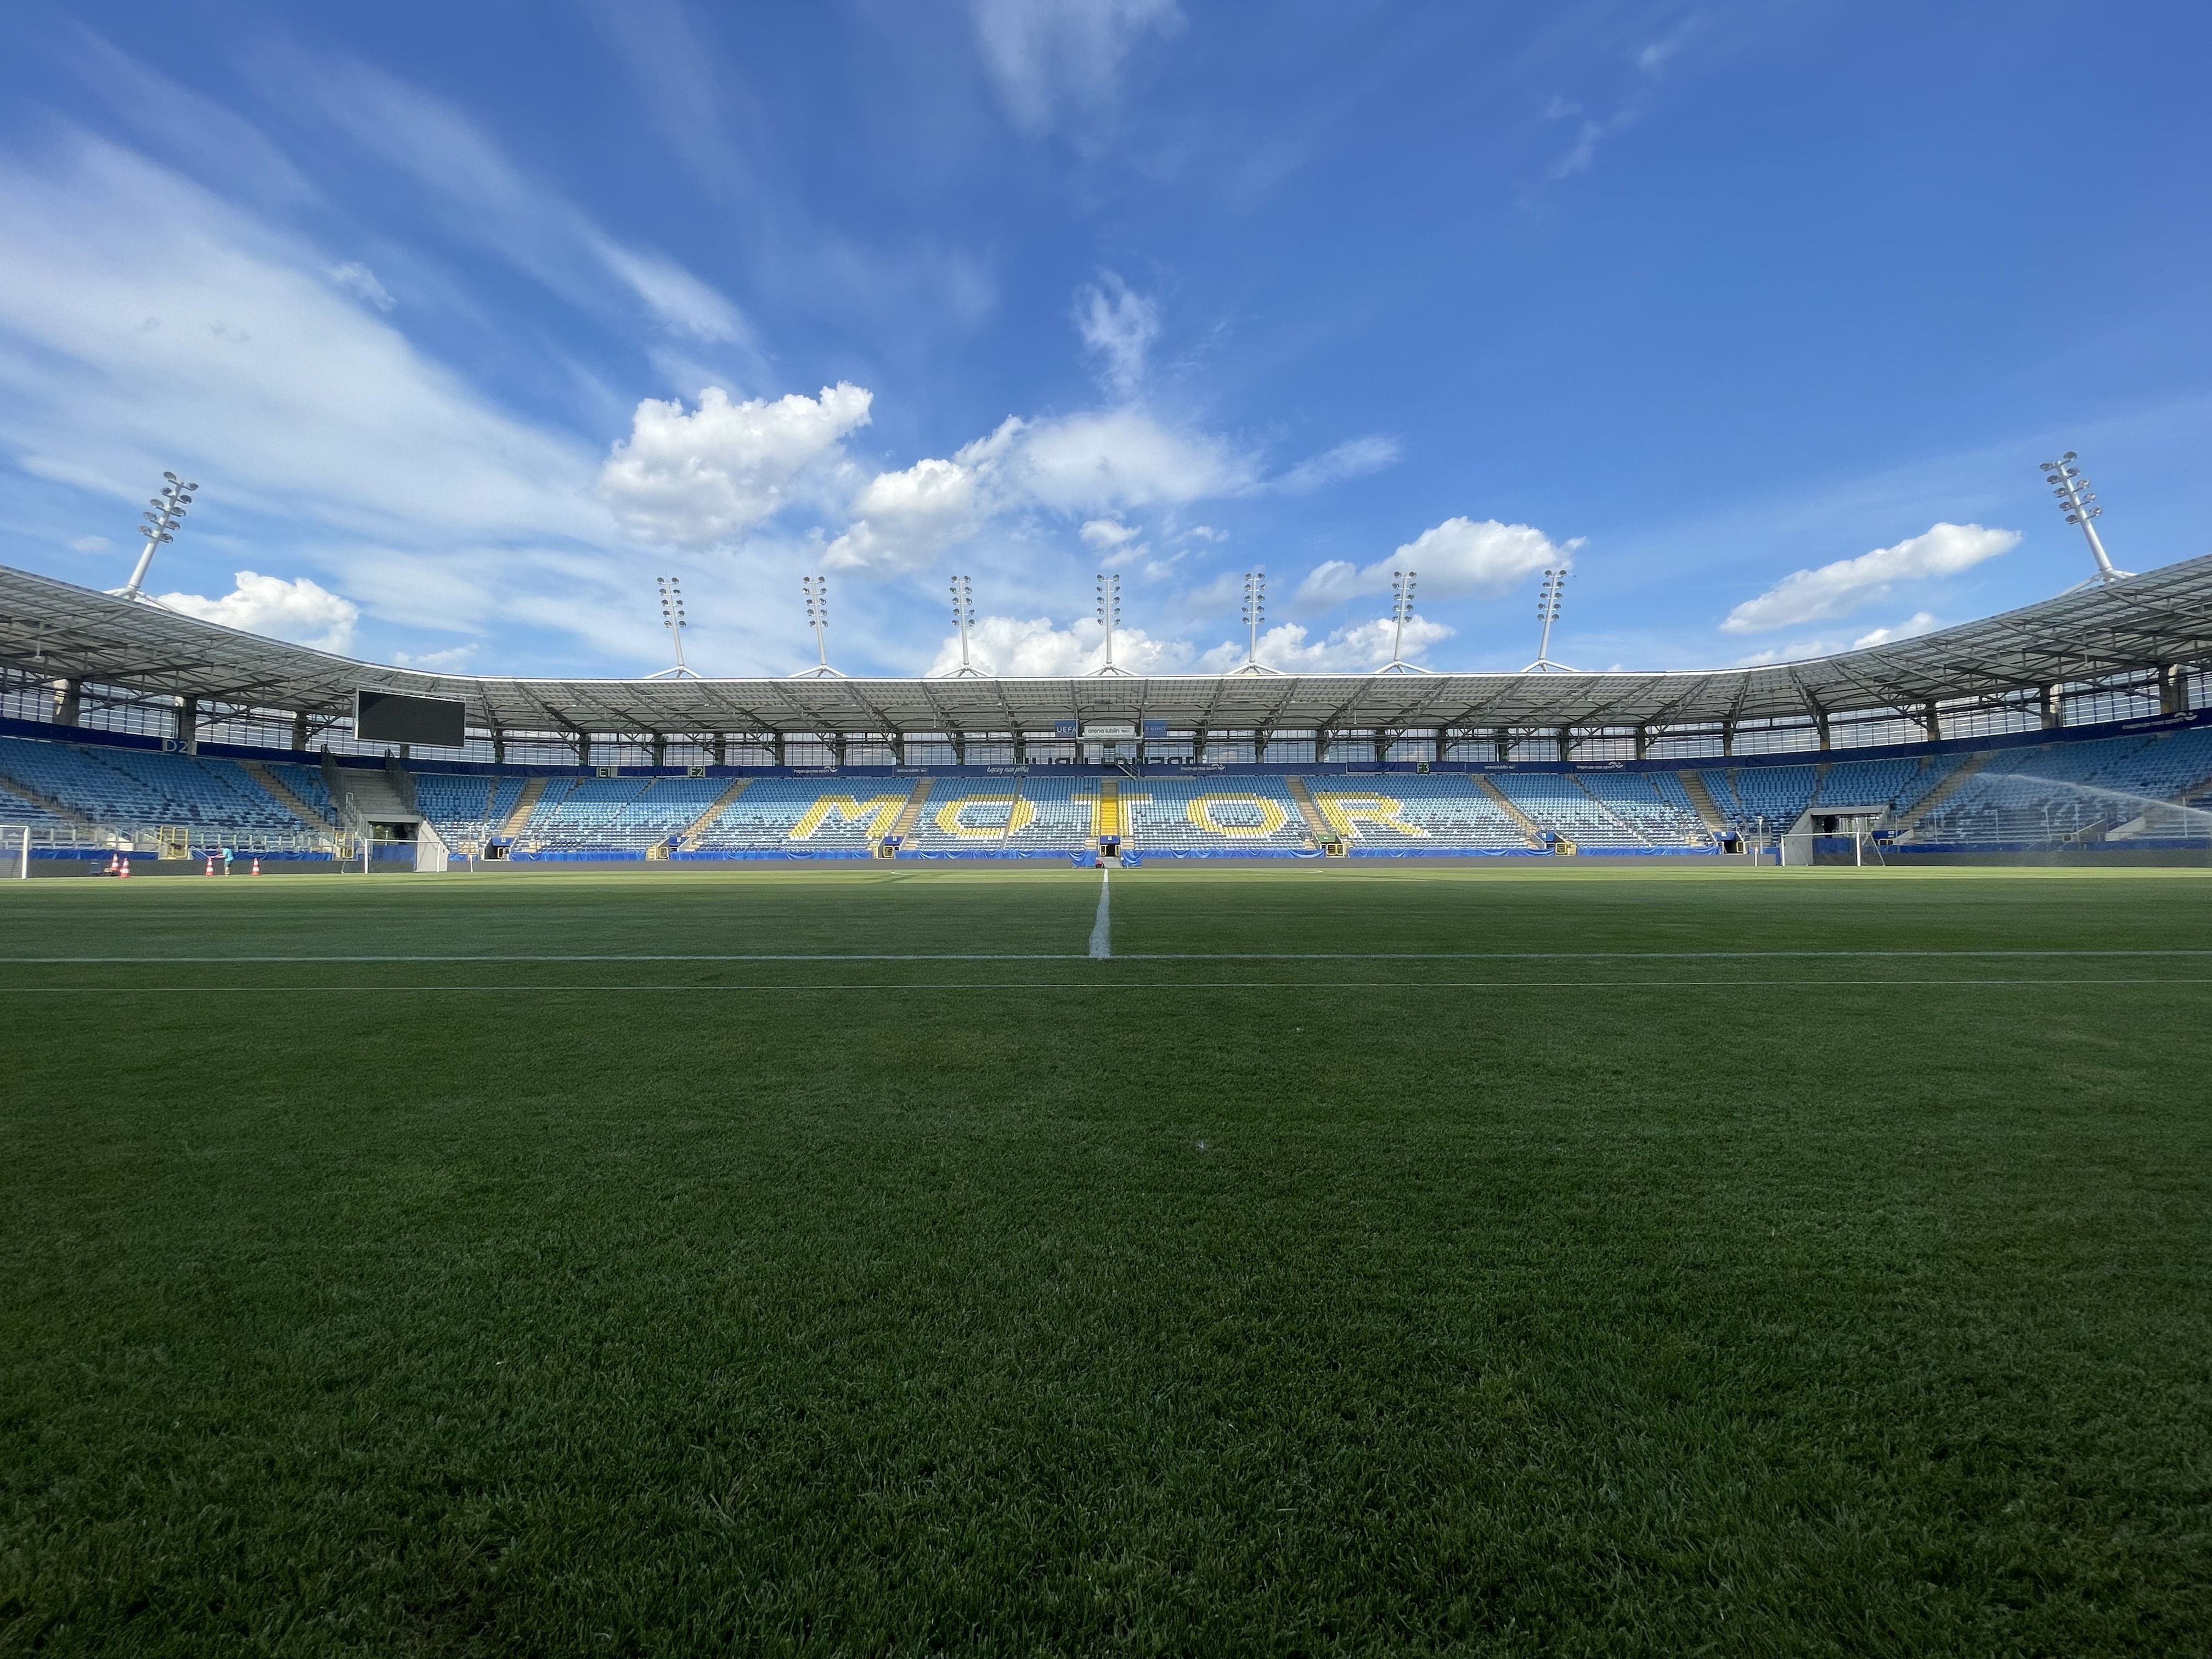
257	868
210	869
125	871
111	864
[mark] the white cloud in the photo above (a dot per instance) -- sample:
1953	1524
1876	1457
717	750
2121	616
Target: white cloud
1920	621
905	519
699	479
1053	58
1123	457
1358	648
299	611
1458	557
680	302
358	280
1118	325
1355	458
1106	534
1016	648
1835	590
231	353
450	660
90	544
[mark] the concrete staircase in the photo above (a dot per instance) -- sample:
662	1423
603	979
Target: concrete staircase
1109	821
910	814
524	803
278	790
1528	824
1943	791
45	803
375	800
1708	811
689	840
1317	829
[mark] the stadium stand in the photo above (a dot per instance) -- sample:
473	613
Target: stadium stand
2061	793
466	809
1662	815
1438	813
1559	805
627	815
1775	796
837	818
1184	817
131	788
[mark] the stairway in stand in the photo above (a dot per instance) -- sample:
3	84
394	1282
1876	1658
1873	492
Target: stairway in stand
1317	829
688	842
910	814
277	791
1505	804
525	804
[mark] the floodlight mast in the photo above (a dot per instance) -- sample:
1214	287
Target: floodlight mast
1255	612
1109	618
2075	496
816	589
963	618
169	508
1547	613
1401	613
671	619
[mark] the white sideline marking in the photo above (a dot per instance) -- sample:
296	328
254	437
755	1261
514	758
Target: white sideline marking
1102	931
1090	985
1139	955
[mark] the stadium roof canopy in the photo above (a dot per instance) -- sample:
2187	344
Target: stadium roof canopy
54	631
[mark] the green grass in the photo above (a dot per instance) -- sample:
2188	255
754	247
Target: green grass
1276	1287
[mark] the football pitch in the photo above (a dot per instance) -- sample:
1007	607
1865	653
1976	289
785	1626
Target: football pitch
1514	1261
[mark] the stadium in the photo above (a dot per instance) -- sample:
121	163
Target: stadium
2068	730
554	1102
1110	1161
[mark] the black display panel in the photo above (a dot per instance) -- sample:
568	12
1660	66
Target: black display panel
387	717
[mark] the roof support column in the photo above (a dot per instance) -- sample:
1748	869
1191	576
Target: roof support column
68	702
1443	744
1565	737
660	748
299	730
2053	706
775	746
898	749
1728	737
188	725
1381	748
2172	688
959	747
1501	743
1820	725
1931	722
498	747
1643	743
721	750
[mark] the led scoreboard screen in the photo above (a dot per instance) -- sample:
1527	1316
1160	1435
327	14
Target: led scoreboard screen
387	717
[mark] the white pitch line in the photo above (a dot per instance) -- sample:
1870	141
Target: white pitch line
1139	955
1088	985
1102	931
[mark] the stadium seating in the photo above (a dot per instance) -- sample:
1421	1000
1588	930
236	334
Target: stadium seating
1438	813
1186	816
465	808
2077	791
1556	802
805	815
1026	813
1663	816
615	814
136	788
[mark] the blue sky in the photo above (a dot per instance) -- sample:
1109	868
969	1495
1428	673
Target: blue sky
473	320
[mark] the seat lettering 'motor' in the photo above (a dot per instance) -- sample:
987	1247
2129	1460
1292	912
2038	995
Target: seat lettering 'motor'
1344	812
1201	810
880	810
1005	815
